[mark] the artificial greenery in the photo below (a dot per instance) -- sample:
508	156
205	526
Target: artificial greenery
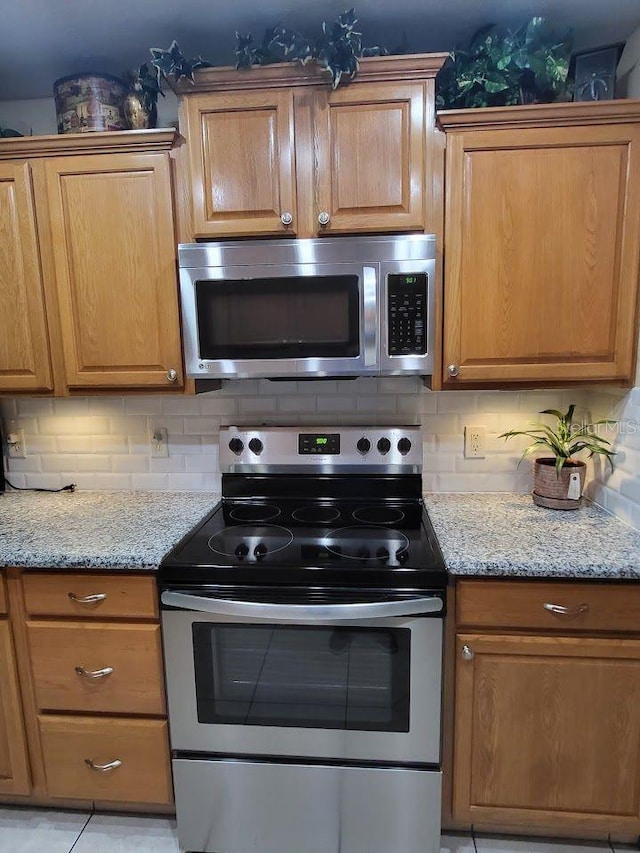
523	66
144	81
566	438
337	51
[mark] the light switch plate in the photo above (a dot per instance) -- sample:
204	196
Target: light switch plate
159	442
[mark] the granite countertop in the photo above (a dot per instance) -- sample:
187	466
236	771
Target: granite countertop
508	535
99	530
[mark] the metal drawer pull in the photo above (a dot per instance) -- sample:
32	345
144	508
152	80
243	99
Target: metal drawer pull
560	610
94	673
88	599
467	653
103	768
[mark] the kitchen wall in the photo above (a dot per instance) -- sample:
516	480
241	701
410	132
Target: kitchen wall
618	490
103	443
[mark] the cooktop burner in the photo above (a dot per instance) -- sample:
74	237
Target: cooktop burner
246	542
378	514
363	543
316	514
254	512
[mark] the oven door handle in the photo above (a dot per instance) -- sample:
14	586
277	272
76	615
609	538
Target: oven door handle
301	613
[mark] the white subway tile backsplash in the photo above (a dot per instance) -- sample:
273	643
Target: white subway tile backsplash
104	442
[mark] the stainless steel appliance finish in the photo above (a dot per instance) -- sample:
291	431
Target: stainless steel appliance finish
303	640
420	743
305	808
383	295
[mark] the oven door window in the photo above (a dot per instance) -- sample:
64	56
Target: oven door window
292	317
348	678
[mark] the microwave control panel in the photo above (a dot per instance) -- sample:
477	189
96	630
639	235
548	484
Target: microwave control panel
407	313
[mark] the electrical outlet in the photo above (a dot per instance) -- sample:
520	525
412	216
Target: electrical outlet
475	442
16	447
159	443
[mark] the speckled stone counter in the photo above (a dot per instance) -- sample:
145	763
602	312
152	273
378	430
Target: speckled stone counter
100	530
507	535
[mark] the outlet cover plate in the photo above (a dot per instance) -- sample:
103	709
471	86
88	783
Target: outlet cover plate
475	442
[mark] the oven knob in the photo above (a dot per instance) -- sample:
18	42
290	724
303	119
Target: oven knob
242	550
363	445
256	446
363	553
382	554
260	550
404	446
236	446
384	445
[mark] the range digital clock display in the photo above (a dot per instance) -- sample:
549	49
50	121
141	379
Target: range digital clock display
310	443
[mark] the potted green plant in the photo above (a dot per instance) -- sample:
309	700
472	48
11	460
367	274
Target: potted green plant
558	479
502	68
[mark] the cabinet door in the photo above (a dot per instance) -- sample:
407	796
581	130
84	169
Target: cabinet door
369	173
24	342
14	764
241	150
547	732
541	255
114	258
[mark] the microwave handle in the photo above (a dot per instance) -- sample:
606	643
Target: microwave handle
370	312
302	613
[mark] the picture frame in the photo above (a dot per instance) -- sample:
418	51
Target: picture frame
595	73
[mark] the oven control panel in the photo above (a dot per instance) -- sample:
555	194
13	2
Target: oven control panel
354	448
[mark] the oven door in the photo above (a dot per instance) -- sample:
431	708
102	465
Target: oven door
303	319
359	680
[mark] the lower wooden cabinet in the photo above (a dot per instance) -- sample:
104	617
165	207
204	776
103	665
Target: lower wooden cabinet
106	758
547	725
14	763
82	701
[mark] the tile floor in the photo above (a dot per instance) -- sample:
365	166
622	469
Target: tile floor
43	831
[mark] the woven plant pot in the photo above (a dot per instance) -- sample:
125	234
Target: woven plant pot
551	489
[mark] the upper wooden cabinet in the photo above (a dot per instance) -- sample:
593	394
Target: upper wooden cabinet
242	162
541	243
90	266
24	339
275	151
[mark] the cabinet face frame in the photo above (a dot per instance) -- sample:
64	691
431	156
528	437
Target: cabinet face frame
267	112
616	363
158	273
24	308
473	745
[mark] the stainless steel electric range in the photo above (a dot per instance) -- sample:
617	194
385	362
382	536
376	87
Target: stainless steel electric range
303	627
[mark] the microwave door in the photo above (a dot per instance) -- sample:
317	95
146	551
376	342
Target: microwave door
296	320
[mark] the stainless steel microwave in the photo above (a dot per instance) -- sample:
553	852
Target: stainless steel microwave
347	306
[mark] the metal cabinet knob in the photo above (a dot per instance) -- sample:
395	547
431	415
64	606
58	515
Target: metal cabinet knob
94	673
96	598
103	768
453	370
324	218
467	653
286	218
172	374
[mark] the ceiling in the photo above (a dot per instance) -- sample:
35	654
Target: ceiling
46	39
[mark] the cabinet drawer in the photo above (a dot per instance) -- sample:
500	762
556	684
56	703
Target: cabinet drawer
69	743
132	652
542	605
89	596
